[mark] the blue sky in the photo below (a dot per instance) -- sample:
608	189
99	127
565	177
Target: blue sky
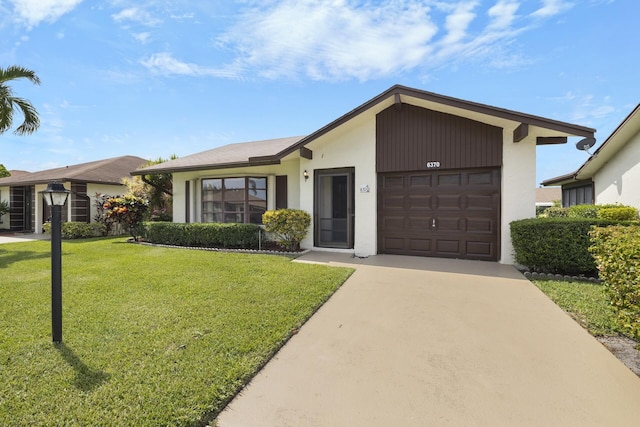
154	78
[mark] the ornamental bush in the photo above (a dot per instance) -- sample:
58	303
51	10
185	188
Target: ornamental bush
556	212
78	230
583	211
209	235
127	211
618	213
617	253
288	226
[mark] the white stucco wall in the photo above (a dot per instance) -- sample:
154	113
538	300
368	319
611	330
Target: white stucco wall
350	145
518	199
105	189
4	195
617	181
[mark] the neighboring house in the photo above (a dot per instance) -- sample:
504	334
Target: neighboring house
28	210
612	172
408	172
546	197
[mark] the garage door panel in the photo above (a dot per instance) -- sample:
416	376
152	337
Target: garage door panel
393	201
419	223
449	180
393	182
481	201
447	201
481	178
423	245
479	225
419	201
453	214
420	181
480	249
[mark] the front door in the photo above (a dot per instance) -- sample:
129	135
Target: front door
334	208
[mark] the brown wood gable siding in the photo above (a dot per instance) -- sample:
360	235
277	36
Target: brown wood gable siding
407	137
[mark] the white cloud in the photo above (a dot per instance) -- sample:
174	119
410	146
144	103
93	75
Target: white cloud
164	63
503	13
138	15
332	40
33	12
458	22
142	37
551	8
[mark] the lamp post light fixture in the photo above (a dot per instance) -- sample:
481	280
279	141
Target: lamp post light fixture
56	196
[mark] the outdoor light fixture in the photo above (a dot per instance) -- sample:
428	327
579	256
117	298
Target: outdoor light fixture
305	174
56	196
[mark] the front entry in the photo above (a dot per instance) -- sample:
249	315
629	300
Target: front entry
21	215
334	208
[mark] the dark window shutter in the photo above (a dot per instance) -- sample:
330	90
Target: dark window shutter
281	192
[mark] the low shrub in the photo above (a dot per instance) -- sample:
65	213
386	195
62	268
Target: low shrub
209	235
618	213
78	230
616	250
288	226
583	211
556	212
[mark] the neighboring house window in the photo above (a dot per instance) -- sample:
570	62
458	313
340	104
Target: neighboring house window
580	195
234	200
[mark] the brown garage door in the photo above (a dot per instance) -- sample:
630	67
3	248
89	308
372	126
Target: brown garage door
448	214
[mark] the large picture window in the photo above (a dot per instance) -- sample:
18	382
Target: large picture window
239	200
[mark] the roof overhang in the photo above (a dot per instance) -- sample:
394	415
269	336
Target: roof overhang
545	131
625	131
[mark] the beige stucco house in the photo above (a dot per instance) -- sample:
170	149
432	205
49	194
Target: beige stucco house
407	172
611	174
28	209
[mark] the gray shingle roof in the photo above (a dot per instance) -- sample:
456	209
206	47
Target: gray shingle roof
107	171
239	154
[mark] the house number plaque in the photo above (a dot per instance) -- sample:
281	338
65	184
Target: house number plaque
432	165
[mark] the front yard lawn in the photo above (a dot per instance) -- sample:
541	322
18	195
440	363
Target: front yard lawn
585	302
152	336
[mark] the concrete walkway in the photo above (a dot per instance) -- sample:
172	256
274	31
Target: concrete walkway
431	342
22	237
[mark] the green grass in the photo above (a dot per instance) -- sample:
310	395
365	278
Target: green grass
585	302
152	336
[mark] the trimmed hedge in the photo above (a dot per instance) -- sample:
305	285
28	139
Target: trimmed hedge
555	245
618	213
617	252
209	235
78	230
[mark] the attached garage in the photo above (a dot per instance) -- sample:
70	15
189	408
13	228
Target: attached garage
447	214
438	184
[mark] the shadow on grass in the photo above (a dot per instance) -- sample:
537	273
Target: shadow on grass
9	257
86	378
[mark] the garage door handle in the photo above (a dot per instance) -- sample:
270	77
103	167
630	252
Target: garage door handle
433	223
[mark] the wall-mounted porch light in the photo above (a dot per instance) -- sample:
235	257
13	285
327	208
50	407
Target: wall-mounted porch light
305	174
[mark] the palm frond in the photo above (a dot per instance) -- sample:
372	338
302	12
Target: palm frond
14	72
31	120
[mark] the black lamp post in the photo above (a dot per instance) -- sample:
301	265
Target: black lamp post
56	196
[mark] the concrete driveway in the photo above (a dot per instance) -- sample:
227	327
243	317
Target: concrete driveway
428	342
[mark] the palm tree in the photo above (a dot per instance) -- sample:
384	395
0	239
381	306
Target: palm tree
9	103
